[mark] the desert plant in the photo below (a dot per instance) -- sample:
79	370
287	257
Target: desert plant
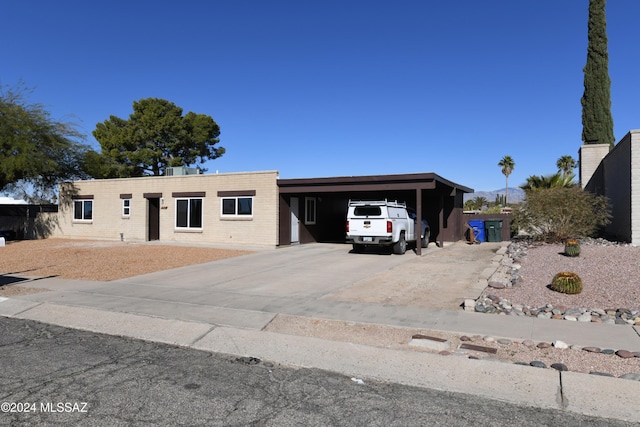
557	214
572	248
567	283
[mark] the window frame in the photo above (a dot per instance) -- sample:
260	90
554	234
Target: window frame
310	215
236	207
83	215
126	208
189	213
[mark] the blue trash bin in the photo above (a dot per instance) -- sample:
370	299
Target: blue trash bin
477	225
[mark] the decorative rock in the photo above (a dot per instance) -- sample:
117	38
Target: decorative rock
444	353
630	376
469	304
608	351
488	338
636	353
585	318
573	312
625	354
571	318
537	364
560	344
602	374
496	285
592	349
505	341
528	343
431	343
465	338
557	317
543	345
560	367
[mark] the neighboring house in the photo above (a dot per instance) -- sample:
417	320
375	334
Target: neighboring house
251	208
20	220
615	174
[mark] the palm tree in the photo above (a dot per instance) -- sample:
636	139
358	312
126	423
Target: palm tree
507	164
479	202
566	164
558	180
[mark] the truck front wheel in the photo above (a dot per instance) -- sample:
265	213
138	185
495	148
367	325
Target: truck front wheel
400	247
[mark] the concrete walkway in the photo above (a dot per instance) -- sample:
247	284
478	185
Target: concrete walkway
224	306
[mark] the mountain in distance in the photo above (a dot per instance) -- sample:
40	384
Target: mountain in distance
516	195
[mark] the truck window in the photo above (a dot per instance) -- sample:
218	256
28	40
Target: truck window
367	211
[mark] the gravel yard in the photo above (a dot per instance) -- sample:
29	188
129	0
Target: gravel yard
609	275
99	260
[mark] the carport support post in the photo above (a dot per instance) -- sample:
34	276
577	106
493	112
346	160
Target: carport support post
418	220
441	220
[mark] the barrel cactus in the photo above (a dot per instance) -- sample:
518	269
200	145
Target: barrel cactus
567	283
572	248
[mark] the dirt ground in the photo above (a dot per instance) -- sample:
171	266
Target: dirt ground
97	260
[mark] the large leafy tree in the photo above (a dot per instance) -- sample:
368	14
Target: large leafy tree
597	122
37	151
156	135
506	166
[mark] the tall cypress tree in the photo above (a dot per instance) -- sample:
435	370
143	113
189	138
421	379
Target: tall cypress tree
597	122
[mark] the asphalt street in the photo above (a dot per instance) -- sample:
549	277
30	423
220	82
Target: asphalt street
51	375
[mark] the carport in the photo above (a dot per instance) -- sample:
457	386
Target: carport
314	209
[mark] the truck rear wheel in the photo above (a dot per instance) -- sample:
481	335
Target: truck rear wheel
400	247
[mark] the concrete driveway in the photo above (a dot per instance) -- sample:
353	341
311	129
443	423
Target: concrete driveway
314	280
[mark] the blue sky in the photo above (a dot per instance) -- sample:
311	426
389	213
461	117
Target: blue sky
335	88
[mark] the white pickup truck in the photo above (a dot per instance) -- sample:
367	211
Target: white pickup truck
383	223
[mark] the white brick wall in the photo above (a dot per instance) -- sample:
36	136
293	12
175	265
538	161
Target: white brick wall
590	156
108	222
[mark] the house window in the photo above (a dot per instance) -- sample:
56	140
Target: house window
126	207
82	210
237	206
310	210
189	213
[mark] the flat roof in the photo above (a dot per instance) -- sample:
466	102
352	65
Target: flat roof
411	181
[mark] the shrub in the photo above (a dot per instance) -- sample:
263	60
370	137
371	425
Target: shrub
567	283
556	214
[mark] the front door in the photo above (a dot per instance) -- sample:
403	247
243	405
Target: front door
295	220
153	221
